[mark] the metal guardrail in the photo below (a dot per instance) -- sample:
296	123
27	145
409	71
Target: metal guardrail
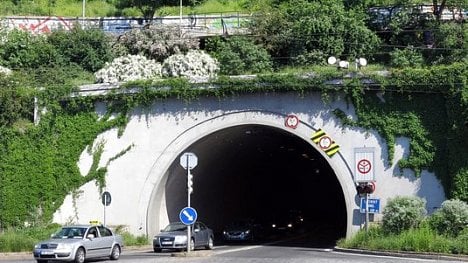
212	24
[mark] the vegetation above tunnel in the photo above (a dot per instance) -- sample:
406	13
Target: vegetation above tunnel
426	102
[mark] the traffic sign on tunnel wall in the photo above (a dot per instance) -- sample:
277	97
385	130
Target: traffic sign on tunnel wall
325	142
364	164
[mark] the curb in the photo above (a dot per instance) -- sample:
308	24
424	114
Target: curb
421	255
196	253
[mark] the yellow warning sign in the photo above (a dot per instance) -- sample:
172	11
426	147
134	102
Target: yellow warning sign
325	142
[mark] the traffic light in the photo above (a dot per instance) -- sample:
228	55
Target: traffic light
189	183
365	188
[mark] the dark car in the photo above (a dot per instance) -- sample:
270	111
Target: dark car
291	221
174	236
242	230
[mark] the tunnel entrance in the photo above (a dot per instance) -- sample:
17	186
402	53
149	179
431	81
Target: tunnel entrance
260	173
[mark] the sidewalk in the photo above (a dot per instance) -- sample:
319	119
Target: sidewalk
407	254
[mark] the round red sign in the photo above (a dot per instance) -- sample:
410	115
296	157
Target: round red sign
291	121
364	166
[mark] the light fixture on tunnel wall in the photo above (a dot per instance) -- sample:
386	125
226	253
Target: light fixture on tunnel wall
343	64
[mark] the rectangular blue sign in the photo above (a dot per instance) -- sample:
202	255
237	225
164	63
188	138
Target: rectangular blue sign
374	205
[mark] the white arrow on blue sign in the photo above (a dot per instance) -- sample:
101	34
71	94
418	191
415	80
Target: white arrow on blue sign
374	205
188	215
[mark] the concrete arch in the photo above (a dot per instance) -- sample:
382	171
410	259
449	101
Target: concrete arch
151	204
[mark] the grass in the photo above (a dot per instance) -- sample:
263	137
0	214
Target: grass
101	8
421	239
24	239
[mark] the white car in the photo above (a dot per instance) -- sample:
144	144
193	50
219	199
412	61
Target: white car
79	242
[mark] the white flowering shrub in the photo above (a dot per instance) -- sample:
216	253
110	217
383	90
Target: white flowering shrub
127	68
402	213
194	65
5	71
451	218
157	42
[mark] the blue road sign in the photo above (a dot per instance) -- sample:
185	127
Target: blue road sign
188	215
374	205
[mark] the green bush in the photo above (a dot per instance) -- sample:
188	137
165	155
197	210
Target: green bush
451	219
90	48
24	238
403	213
407	57
23	50
238	55
460	244
15	102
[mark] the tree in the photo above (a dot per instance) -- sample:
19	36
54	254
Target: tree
149	7
310	31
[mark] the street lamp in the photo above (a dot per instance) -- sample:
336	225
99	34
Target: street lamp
84	8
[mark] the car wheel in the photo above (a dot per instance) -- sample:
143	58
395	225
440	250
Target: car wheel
115	254
156	249
80	255
210	244
192	244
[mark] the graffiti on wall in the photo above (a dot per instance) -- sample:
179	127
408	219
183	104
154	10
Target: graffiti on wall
39	25
118	25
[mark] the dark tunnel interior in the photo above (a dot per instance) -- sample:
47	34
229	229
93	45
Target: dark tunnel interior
260	173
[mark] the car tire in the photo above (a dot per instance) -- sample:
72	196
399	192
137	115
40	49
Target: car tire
210	243
157	250
192	244
80	255
115	253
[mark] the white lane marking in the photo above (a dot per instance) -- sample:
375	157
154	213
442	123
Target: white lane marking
236	249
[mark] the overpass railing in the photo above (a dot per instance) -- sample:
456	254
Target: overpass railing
198	24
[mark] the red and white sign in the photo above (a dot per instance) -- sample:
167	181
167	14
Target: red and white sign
325	142
291	121
364	165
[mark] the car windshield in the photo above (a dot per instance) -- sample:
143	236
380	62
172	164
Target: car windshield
175	227
239	224
70	232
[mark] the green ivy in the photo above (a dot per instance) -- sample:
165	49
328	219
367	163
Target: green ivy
39	169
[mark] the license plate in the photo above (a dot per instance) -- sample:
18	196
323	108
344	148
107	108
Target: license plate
47	253
167	243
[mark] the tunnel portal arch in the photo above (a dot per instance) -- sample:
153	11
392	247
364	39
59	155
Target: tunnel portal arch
153	204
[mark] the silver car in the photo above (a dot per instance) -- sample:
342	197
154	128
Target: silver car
174	236
79	242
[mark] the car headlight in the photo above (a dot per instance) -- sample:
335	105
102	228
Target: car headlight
289	225
37	246
180	239
247	232
64	246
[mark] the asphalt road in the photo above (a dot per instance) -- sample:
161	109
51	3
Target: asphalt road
246	254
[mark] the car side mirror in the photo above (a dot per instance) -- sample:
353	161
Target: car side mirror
90	236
